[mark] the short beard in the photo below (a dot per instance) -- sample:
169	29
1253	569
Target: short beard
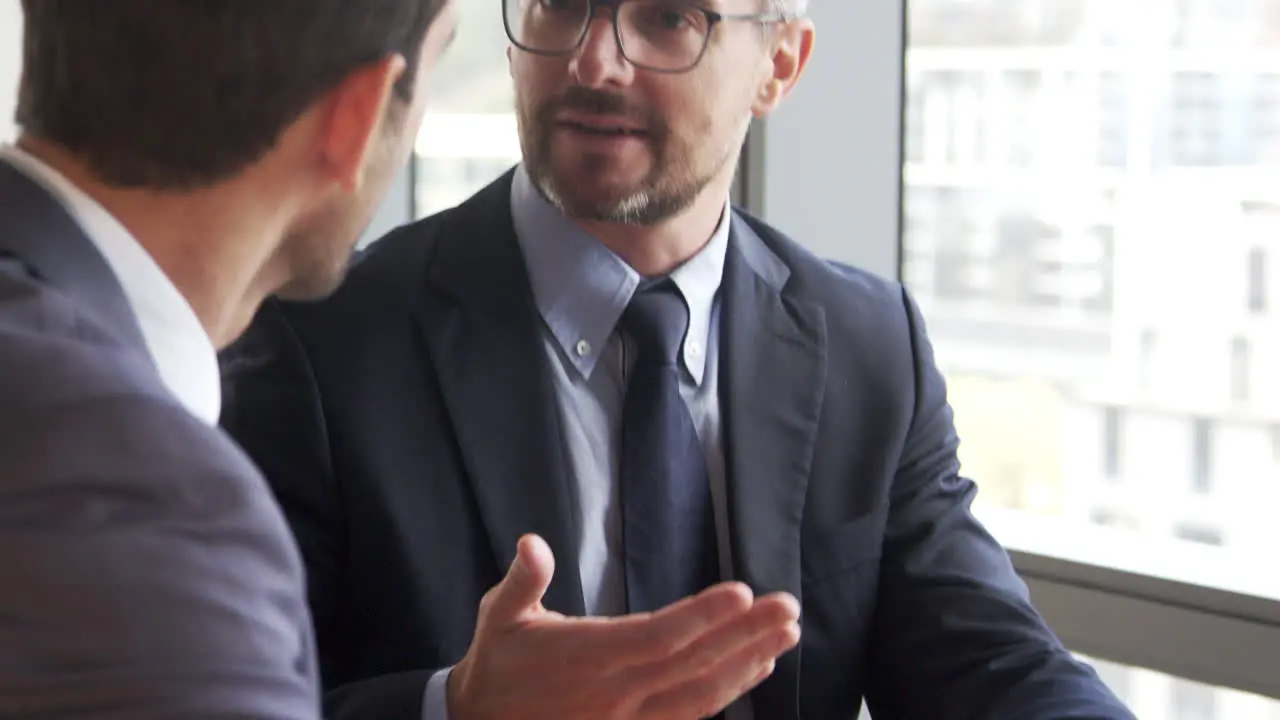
670	187
647	206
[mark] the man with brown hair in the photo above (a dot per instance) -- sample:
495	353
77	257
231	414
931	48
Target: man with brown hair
178	162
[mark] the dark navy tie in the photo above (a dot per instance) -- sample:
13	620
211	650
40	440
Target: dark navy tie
667	519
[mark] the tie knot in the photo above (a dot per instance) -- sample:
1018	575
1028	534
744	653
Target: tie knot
657	318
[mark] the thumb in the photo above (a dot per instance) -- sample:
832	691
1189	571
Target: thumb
526	582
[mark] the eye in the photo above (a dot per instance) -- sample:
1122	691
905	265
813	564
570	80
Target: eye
671	20
669	17
562	6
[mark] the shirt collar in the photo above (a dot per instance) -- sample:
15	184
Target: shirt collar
581	287
178	344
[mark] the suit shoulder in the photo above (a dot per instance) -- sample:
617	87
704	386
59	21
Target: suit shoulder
836	286
852	279
139	443
83	407
56	354
30	308
181	566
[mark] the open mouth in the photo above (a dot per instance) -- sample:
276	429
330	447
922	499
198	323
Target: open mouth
603	130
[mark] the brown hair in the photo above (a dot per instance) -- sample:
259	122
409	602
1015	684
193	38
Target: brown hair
175	94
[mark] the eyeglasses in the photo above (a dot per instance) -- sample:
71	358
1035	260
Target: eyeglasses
660	35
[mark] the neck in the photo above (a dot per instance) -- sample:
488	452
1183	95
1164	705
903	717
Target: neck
656	250
208	241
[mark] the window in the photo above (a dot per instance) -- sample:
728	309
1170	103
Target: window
468	137
1130	139
1113	120
1116	677
1257	281
1267	119
1136	143
1196	109
1198	534
1202	455
1111	419
1239	371
1193	701
1111	518
1147	351
1156	696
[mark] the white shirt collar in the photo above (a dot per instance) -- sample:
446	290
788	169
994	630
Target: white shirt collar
181	349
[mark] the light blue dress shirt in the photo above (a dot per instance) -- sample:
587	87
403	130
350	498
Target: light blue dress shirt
581	289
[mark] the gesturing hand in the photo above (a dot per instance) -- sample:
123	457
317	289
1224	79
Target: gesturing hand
686	661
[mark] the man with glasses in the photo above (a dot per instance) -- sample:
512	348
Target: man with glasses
596	389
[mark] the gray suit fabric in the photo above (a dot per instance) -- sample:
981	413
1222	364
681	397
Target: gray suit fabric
145	571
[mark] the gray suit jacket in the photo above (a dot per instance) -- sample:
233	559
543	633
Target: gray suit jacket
145	571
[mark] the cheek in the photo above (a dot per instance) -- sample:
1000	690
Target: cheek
528	75
703	120
708	107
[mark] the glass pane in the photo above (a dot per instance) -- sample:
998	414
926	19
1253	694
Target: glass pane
10	64
1156	696
469	135
1091	215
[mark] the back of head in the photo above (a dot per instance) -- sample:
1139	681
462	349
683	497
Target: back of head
179	94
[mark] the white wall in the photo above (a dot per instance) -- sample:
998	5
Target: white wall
10	57
831	155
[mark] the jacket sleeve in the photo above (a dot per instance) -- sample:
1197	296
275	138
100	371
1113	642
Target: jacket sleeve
955	634
146	573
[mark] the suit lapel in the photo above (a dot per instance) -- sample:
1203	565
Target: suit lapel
773	375
483	333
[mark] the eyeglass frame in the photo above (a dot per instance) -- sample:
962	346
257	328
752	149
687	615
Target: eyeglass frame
714	18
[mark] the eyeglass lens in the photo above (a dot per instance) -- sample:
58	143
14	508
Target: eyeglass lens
659	34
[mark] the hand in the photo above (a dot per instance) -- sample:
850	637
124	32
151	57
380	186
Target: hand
689	660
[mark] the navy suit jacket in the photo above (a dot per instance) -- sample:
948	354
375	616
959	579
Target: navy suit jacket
409	428
145	570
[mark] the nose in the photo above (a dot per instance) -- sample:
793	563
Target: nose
599	62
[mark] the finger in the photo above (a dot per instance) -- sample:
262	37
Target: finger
522	589
644	638
769	615
765	671
731	678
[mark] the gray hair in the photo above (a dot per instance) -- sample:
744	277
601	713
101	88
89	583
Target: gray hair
790	8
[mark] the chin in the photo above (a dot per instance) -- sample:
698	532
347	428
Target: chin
599	191
313	285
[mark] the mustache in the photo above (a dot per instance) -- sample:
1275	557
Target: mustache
599	102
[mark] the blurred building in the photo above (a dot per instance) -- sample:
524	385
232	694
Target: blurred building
1092	228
